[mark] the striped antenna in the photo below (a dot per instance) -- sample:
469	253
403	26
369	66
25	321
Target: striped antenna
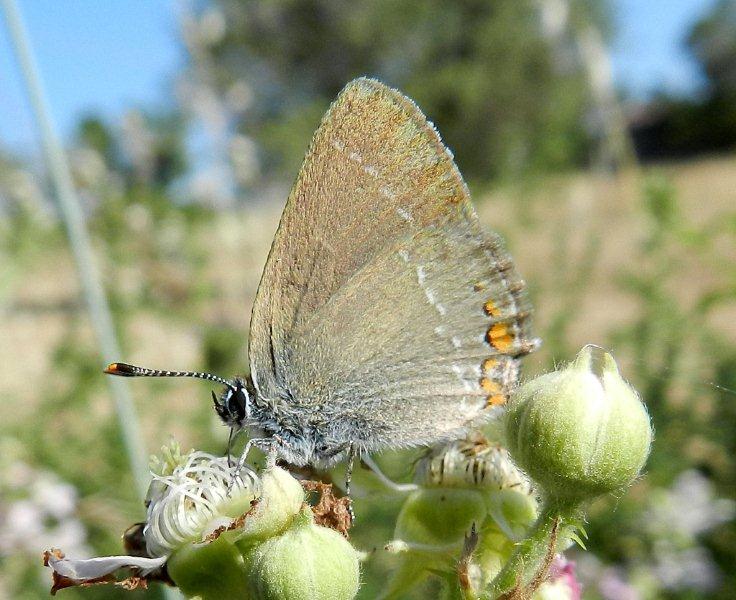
126	370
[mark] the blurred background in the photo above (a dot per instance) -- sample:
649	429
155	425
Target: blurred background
598	137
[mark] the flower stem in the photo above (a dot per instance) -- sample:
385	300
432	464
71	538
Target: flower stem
528	566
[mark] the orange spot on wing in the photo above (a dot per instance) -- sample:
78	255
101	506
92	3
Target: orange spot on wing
496	400
491	309
488	364
490	386
499	337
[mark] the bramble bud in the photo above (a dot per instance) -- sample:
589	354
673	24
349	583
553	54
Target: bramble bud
306	562
281	499
578	433
209	571
462	483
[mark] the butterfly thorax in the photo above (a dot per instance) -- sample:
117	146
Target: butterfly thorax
298	440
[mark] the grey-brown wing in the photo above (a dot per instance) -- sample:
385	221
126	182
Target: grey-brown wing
376	180
421	342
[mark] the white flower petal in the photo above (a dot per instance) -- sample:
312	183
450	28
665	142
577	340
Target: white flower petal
85	569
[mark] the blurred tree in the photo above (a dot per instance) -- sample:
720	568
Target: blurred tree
681	127
147	150
502	80
94	134
713	43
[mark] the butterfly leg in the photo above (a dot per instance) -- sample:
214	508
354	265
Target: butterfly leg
272	453
230	447
402	488
257	442
348	479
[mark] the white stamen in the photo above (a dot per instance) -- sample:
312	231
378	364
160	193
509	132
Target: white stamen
184	501
371	171
354	156
404	255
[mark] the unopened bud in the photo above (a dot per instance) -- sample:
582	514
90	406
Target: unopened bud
305	562
579	433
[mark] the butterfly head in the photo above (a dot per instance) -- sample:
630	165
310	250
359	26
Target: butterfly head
234	405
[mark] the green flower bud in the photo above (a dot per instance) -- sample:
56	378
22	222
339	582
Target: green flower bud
306	562
282	497
440	516
512	511
209	571
577	433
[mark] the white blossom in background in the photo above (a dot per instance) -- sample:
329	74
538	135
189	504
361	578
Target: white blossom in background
554	16
210	28
89	168
686	568
240	96
203	102
672	523
688	509
19	187
92	177
210	186
613	585
675	518
38	510
244	158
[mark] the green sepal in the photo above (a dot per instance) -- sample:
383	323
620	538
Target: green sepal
214	571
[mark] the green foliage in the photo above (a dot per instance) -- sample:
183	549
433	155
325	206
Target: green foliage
150	152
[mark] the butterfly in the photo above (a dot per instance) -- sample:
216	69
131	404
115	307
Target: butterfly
387	316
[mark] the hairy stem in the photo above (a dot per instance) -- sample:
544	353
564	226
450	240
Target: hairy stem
528	566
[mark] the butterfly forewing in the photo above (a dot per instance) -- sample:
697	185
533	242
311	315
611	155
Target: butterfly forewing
384	308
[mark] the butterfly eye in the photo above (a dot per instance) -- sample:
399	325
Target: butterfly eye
237	403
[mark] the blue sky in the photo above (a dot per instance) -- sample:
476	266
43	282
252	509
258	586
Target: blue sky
649	51
93	57
104	57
